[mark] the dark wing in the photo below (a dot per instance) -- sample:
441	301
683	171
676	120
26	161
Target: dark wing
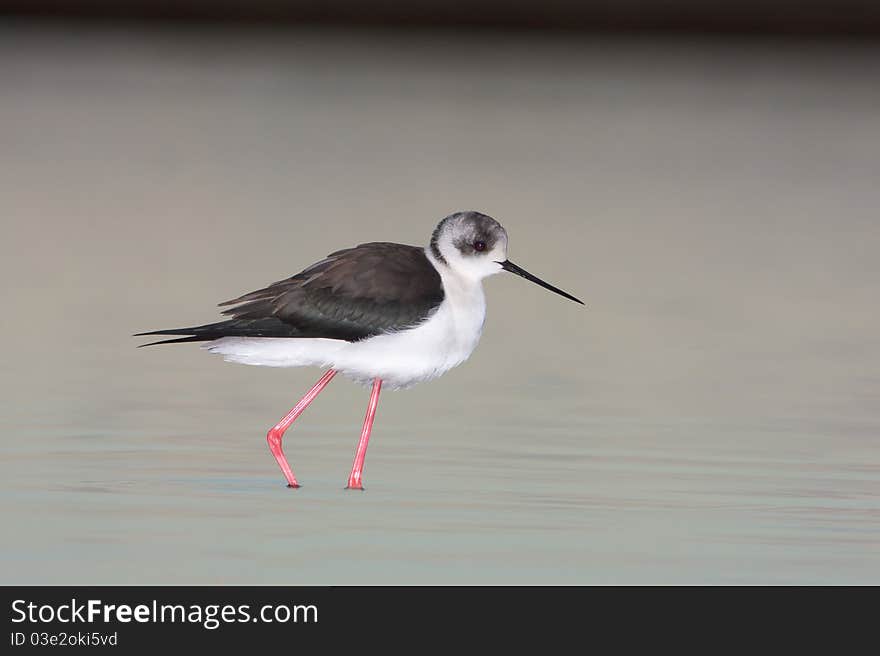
351	294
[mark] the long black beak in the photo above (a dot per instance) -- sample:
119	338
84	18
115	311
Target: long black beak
507	265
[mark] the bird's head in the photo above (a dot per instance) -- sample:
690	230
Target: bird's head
474	245
470	243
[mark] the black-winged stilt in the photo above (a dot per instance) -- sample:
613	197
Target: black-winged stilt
379	312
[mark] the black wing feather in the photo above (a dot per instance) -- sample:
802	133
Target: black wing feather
351	294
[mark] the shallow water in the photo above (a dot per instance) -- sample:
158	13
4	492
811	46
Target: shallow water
713	416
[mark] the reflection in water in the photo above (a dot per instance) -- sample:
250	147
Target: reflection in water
712	416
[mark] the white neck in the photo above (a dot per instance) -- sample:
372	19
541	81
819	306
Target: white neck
463	294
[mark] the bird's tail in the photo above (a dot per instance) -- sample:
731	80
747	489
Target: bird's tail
265	327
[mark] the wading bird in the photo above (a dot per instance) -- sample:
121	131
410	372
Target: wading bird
380	313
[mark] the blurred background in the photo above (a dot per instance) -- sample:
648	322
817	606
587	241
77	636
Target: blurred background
705	177
773	17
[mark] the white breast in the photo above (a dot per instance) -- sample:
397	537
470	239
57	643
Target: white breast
445	339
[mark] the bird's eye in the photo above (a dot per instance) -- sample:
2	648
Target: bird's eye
479	246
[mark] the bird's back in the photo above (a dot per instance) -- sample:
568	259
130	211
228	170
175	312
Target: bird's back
350	295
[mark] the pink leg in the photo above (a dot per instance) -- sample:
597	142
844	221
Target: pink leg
277	432
357	469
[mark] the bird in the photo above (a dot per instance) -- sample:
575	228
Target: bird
380	313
